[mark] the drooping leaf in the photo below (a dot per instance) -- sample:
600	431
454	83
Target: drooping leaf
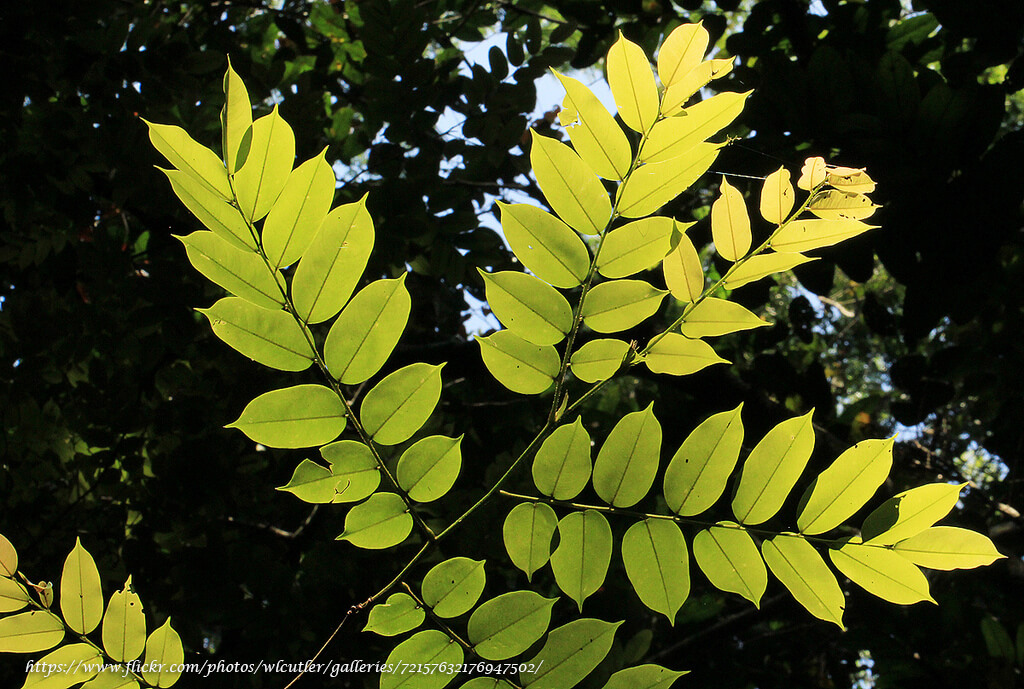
570	653
628	459
65	667
428	469
562	466
570	186
580	562
380	522
730	224
598	359
697	474
235	121
272	338
777	196
429	648
545	245
506	626
13	596
239	271
332	264
881	572
214	212
842	489
366	332
354	465
632	84
164	655
833	204
401	613
30	632
299	211
190	157
527	533
655	184
299	416
266	169
124	625
399	405
679	93
713	317
530	308
729	559
801	570
8	558
675	137
658	565
682	50
684	274
594	134
772	469
454	586
636	246
757	267
520	366
948	547
617	305
678	355
805	235
644	677
909	513
81	595
312	483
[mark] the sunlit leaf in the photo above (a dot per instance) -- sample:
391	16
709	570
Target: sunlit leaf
355	466
260	180
312	483
758	267
428	648
239	271
678	355
214	212
655	184
235	120
506	626
658	565
570	653
644	677
730	224
842	489
801	570
272	338
850	179
454	586
682	50
527	533
697	474
628	459
571	188
190	157
299	416
164	655
30	632
686	86
713	317
8	558
593	131
812	173
366	332
881	572
949	547
520	366
772	469
833	204
124	625
617	305
676	137
428	469
636	246
632	84
531	308
299	211
562	466
729	559
580	562
777	196
13	596
81	595
73	664
545	244
399	405
114	676
598	359
909	513
380	522
805	235
399	614
684	274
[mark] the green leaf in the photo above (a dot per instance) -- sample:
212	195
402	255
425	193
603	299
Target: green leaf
313	483
632	84
562	466
636	246
299	211
530	308
266	170
596	137
833	204
997	639
677	95
366	332
777	196
682	51
486	683
527	533
163	653
453	587
429	648
545	244
628	459
730	224
580	562
757	267
401	613
124	625
272	338
696	475
620	304
658	565
844	487
674	137
684	274
112	677
948	547
76	663
8	558
598	359
713	317
332	264
655	184
571	188
570	653
805	235
881	572
399	405
380	522
299	416
213	211
190	157
644	677
772	469
520	366
801	570
505	626
354	464
81	595
30	632
241	272
13	596
235	120
729	559
428	469
909	513
678	355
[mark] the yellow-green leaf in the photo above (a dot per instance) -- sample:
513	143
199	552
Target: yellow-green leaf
655	184
805	235
401	613
593	131
697	474
509	624
520	366
628	459
777	196
453	587
427	649
214	212
713	317
676	136
190	157
881	572
562	466
74	663
164	656
124	625
801	570
545	244
380	522
658	565
636	246
632	84
299	416
527	534
949	547
730	224
8	558
909	513
758	267
598	359
678	355
684	274
647	676
366	332
272	338
13	595
571	188
812	173
235	120
682	51
266	170
428	469
570	653
239	271
298	212
81	596
842	489
30	632
617	305
580	562
112	677
850	179
529	307
772	469
677	95
729	559
398	406
313	483
834	204
355	466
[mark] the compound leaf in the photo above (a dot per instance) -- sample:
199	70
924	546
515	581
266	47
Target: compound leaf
214	212
948	547
628	459
842	489
678	355
620	304
313	483
506	626
636	246
266	169
684	274
730	224
772	469
632	84
299	416
520	366
164	653
805	235
527	533
430	648
81	595
124	625
399	405
682	51
713	317
598	359
777	196
562	466
571	188
761	266
801	570
299	211
570	653
909	513
354	465
428	469
580	562
272	338
729	559
399	614
697	474
594	134
380	522
677	95
674	137
655	184
881	572
658	565
454	586
239	271
545	245
366	332
531	308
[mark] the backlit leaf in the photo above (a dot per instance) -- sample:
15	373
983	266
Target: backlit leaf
214	212
812	173
299	416
571	188
266	169
428	648
909	513
679	93
580	562
713	317
881	572
632	84
674	137
13	596
112	677
520	366
545	244
617	305
81	595
833	204
678	355
401	613
30	632
74	663
366	332
487	683
636	246
8	558
805	235
570	653
758	267
454	586
235	121
354	465
842	489
299	211
164	655
658	565
628	459
697	474
730	224
729	559
948	547
428	469
506	626
124	625
850	179
772	469
399	405
380	522
682	50
655	184
312	483
272	338
531	308
240	271
593	131
527	533
684	274
562	466
598	359
801	570
190	157
644	677
777	196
